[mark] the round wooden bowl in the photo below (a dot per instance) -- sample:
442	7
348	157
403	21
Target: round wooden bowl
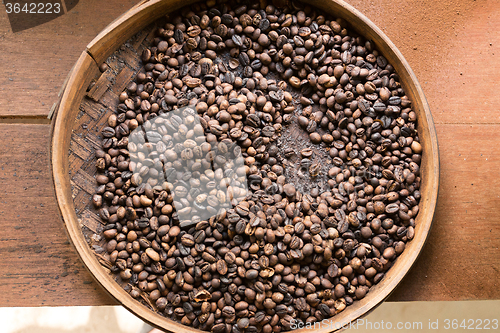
83	110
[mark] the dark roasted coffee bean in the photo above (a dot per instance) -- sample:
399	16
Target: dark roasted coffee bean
392	208
108	132
237	40
222	267
268	131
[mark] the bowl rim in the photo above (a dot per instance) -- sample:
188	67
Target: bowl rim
148	11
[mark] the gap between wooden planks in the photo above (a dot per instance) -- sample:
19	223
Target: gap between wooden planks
460	261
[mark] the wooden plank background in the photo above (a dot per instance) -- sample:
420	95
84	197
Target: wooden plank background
453	46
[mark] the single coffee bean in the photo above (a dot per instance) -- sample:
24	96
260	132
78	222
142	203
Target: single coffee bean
222	267
289	190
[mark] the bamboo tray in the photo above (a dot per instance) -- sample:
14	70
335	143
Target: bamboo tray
88	97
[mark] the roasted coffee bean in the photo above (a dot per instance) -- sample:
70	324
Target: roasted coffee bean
108	132
268	131
392	208
289	190
222	267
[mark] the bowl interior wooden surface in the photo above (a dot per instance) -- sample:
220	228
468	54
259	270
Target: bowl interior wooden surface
82	113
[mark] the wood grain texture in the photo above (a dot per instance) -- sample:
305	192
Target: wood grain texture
461	259
38	264
440	40
34	63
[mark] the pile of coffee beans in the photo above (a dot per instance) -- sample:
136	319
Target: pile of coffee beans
261	171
